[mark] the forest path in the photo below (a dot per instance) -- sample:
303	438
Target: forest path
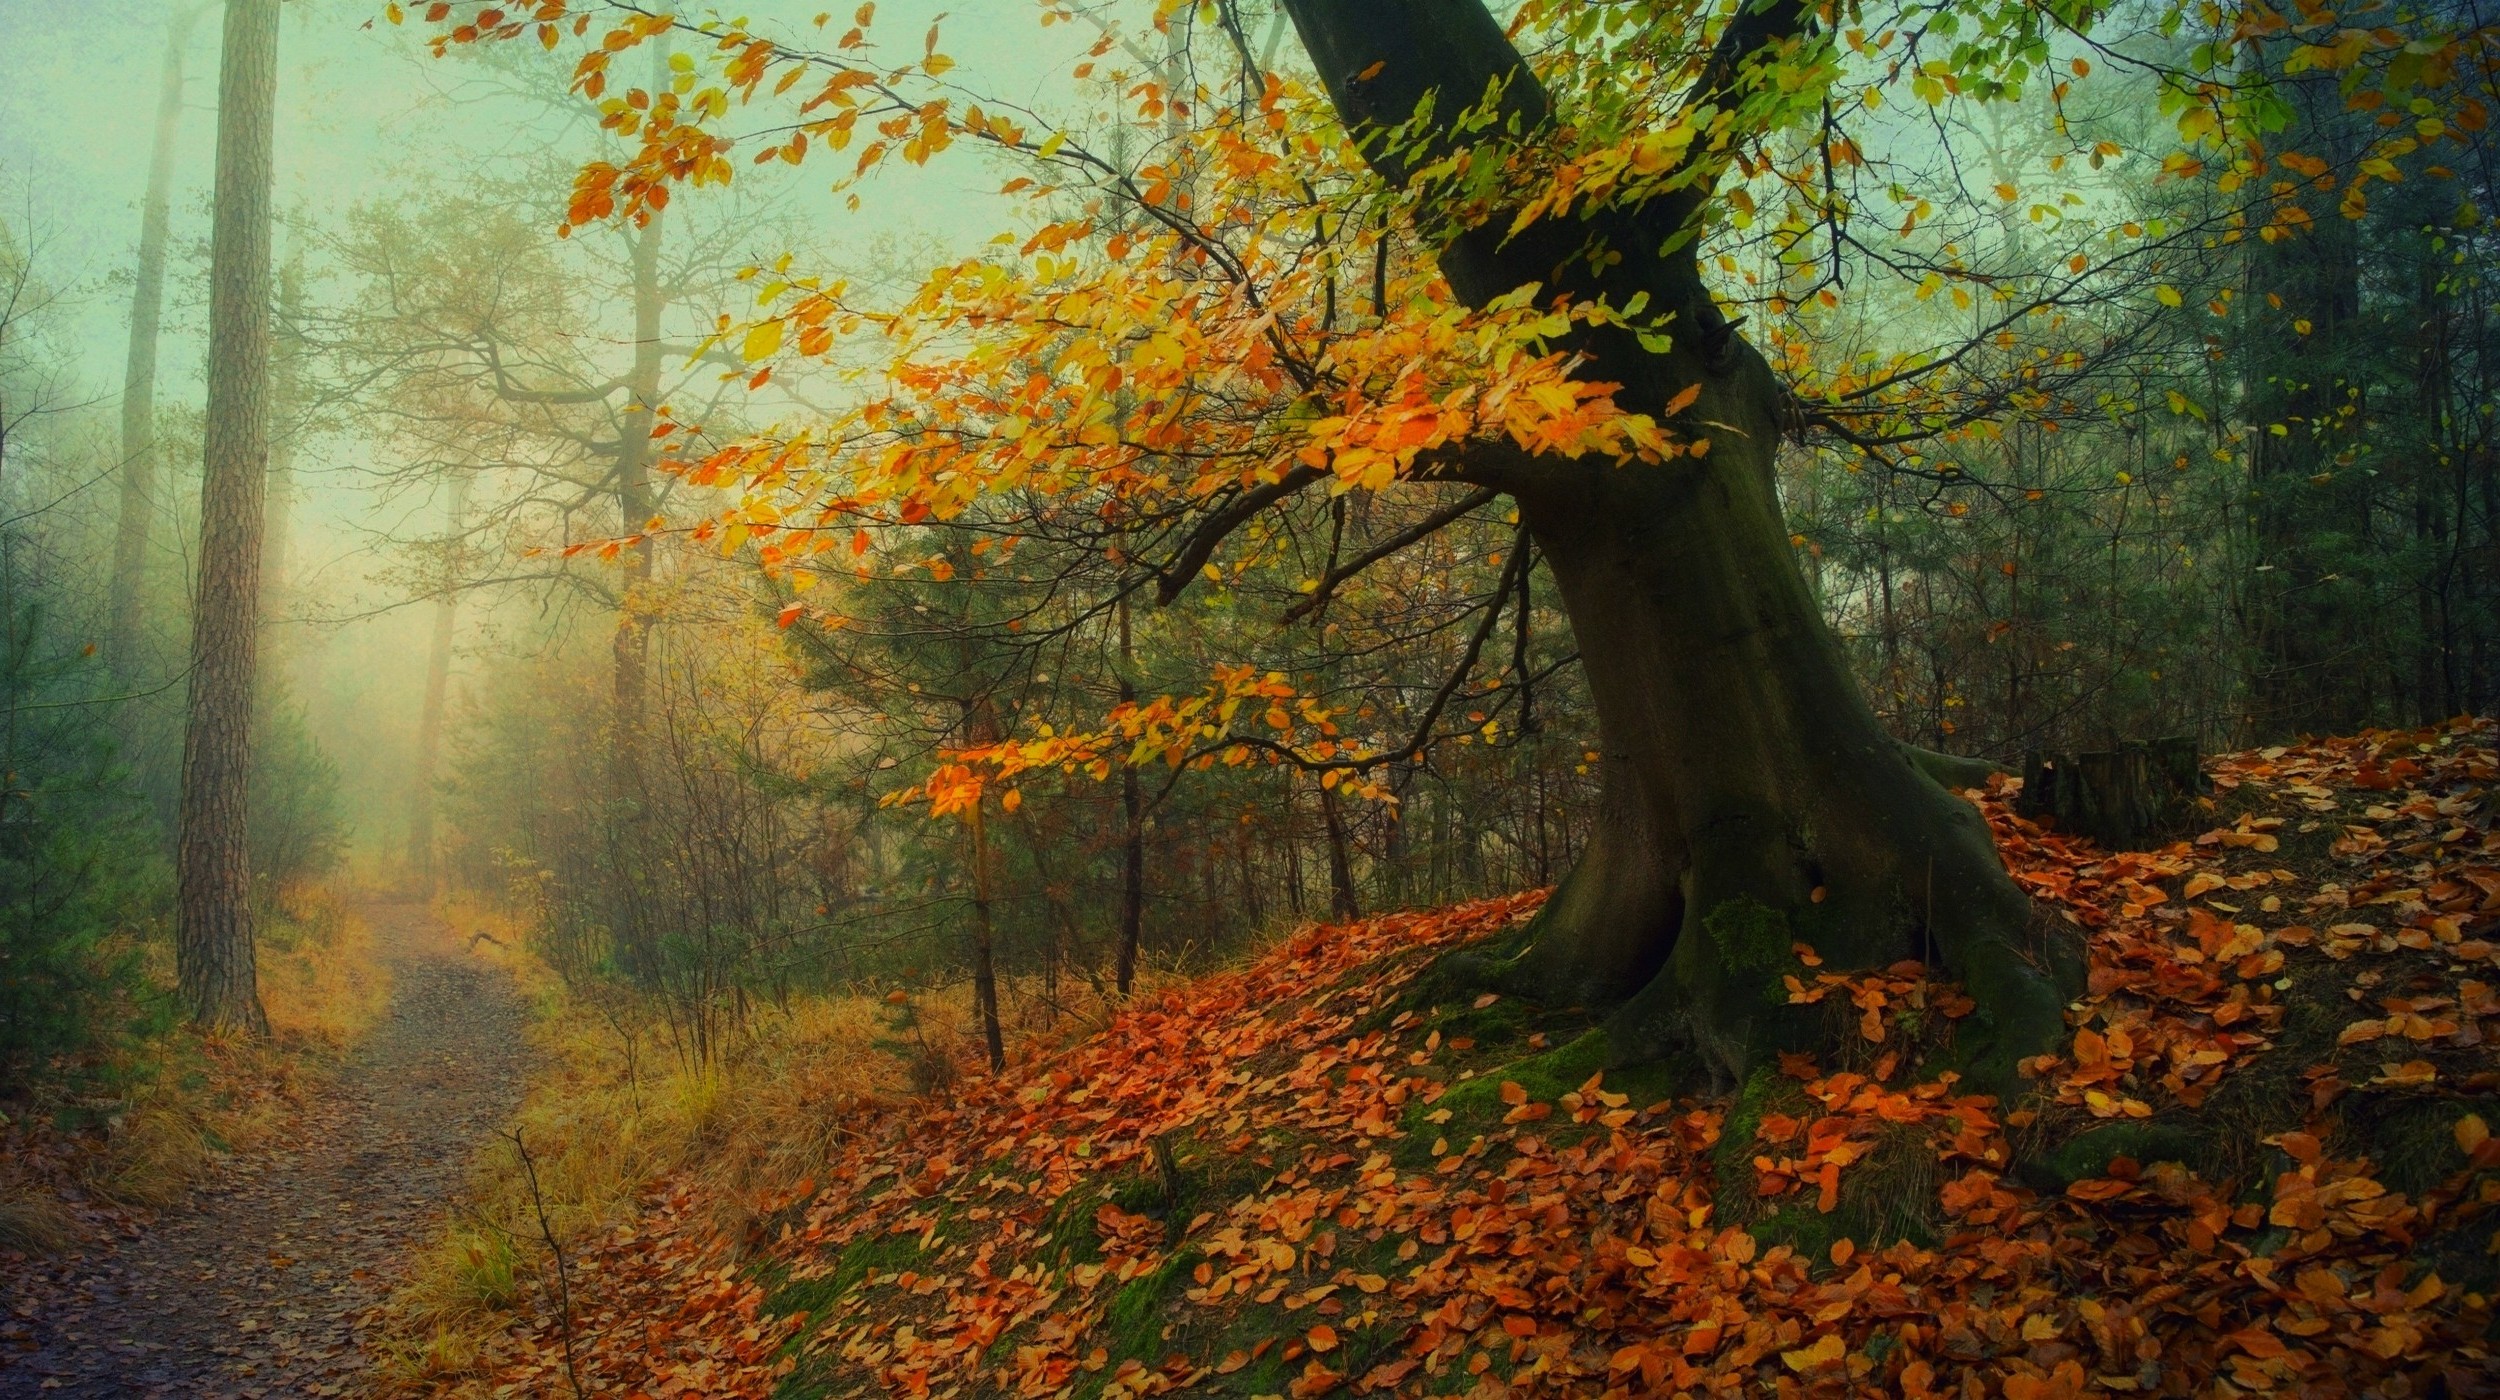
255	1286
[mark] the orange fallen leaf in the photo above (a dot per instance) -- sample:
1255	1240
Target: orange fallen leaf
2410	1074
1825	1352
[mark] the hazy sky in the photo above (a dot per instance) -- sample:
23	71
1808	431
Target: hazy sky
360	100
361	106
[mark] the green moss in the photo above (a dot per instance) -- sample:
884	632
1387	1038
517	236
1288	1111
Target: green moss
1134	1323
1476	1106
1748	933
1888	1195
1068	1236
2415	1141
1505	1023
1455	977
1269	1375
2089	1153
1801	1227
1733	1155
818	1297
1754	938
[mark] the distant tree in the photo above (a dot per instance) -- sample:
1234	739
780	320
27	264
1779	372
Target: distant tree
138	507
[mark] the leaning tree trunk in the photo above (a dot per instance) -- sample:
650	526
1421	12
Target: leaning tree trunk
212	862
1751	801
126	591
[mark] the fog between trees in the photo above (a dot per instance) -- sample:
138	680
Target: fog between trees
2175	482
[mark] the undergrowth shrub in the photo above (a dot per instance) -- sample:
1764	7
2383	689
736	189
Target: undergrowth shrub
298	827
81	879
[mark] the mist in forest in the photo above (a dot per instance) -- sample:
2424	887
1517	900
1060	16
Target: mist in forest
993	648
672	514
367	123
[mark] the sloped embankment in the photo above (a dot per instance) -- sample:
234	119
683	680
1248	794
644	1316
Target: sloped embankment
2264	1165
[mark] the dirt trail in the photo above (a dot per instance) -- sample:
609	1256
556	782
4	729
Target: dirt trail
254	1287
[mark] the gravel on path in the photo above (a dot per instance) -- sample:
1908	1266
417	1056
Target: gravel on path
255	1287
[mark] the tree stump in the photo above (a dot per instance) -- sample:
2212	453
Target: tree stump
2123	798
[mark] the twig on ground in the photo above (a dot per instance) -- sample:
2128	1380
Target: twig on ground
546	1231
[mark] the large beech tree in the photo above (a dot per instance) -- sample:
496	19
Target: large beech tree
1580	274
1751	801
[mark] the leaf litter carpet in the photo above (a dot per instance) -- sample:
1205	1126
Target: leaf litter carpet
257	1285
1293	1179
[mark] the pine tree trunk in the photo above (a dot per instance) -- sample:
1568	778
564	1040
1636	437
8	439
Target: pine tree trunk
1751	801
212	863
137	510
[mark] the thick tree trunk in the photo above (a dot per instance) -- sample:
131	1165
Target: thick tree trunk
137	513
1751	800
212	863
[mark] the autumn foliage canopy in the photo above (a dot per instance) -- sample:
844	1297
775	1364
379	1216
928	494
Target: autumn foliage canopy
1214	306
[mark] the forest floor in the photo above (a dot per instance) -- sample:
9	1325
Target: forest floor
259	1285
2266	1166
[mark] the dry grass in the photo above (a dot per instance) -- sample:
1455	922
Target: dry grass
322	984
320	978
183	1101
32	1219
612	1108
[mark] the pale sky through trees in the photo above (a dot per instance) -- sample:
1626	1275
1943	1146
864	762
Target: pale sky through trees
367	117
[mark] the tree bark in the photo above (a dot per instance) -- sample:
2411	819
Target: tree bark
137	511
212	863
1132	836
1342	903
1751	800
984	946
2121	797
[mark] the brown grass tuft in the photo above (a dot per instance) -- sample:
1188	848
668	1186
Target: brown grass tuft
614	1108
33	1220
